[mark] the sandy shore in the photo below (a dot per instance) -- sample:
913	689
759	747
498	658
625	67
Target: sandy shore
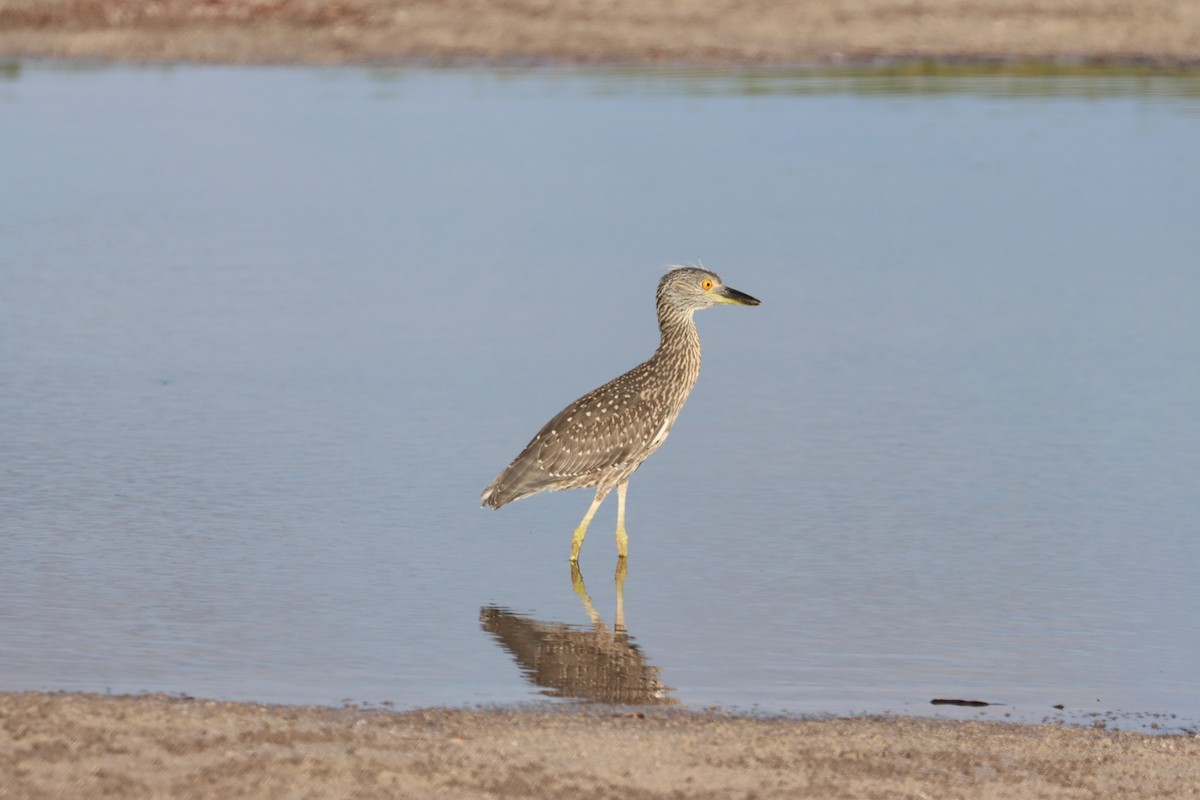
588	31
70	745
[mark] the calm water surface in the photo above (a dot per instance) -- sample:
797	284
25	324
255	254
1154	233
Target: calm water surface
266	334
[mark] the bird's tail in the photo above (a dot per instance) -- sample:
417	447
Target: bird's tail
490	497
520	479
499	492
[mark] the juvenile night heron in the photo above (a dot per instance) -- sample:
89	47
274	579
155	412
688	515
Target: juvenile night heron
603	437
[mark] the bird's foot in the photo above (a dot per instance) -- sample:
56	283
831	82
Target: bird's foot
577	543
622	542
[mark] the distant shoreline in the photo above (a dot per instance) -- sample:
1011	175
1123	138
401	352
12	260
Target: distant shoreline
86	745
1150	33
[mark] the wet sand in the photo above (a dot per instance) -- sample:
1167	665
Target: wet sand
710	32
75	745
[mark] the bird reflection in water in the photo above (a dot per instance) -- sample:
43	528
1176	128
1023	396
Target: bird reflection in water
597	664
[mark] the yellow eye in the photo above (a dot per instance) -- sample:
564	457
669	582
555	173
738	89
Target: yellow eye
706	284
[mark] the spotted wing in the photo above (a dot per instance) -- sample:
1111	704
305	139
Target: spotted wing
610	429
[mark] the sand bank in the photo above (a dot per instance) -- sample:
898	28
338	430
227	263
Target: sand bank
711	32
78	745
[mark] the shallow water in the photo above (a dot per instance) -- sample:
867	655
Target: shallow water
266	334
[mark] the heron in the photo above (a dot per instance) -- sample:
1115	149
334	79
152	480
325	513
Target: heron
602	438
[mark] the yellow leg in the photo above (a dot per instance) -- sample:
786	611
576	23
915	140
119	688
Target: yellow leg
581	531
622	536
619	577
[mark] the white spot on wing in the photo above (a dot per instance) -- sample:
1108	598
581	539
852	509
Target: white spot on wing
661	436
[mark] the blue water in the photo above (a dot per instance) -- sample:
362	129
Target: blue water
265	334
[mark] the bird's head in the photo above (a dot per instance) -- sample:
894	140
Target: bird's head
688	289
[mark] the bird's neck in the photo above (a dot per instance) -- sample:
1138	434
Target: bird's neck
679	347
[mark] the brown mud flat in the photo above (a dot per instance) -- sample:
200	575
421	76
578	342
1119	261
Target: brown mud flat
702	32
152	746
